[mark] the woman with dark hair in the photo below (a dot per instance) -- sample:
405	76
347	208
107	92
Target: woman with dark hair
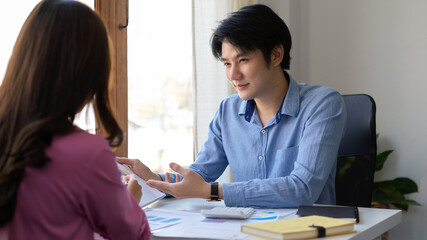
56	180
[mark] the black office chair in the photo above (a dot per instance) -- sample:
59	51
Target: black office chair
357	153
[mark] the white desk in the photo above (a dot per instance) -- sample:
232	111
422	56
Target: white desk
373	221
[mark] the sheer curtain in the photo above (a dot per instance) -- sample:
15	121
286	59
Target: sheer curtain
210	83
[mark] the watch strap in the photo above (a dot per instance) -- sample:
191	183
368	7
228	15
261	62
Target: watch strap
214	192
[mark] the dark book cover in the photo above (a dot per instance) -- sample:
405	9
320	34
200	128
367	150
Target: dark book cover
349	212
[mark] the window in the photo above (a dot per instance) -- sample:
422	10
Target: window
157	136
86	118
160	93
13	16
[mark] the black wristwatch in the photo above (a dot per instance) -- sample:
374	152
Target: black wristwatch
214	192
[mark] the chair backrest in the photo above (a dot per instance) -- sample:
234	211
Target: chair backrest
357	153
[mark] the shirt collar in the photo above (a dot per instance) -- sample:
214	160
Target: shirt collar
290	105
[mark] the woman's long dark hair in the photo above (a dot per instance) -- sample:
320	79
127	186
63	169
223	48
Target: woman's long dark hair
60	62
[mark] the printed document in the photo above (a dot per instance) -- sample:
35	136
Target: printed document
149	194
167	224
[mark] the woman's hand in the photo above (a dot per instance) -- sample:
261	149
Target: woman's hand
139	168
135	189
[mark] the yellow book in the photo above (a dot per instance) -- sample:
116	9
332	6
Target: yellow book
299	228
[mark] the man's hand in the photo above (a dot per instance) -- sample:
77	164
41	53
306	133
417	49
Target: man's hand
138	168
192	186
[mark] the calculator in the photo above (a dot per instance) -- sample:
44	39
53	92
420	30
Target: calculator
228	212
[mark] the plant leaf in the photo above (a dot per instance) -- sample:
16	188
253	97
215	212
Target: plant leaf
381	197
405	185
381	158
404	204
386	192
408	202
392	191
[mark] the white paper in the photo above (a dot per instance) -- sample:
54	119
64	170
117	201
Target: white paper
159	218
195	225
149	194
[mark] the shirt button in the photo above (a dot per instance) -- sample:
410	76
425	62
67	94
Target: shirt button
263	131
260	158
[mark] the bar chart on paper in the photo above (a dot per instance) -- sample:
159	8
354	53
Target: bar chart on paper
157	222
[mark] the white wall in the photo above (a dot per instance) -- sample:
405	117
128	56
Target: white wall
379	48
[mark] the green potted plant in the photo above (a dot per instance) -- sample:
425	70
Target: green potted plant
392	191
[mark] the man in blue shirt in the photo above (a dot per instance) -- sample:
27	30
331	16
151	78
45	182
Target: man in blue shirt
279	137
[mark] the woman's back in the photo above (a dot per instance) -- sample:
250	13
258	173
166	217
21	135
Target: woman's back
78	192
57	181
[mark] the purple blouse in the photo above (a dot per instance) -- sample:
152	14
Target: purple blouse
77	193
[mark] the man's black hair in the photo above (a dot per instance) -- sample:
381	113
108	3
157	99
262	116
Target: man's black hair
253	27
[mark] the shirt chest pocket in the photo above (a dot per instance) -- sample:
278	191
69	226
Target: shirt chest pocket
283	161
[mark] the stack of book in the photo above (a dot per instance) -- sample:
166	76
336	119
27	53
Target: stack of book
314	221
300	228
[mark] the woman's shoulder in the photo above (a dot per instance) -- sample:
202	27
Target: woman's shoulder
78	143
80	137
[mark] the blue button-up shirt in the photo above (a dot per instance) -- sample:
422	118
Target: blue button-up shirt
288	162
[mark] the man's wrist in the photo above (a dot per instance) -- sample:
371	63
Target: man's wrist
157	176
214	189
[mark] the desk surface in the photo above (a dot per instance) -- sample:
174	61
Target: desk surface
373	221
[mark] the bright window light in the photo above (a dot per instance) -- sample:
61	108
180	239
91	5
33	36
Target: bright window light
160	90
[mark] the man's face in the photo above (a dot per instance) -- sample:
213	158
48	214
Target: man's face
246	71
